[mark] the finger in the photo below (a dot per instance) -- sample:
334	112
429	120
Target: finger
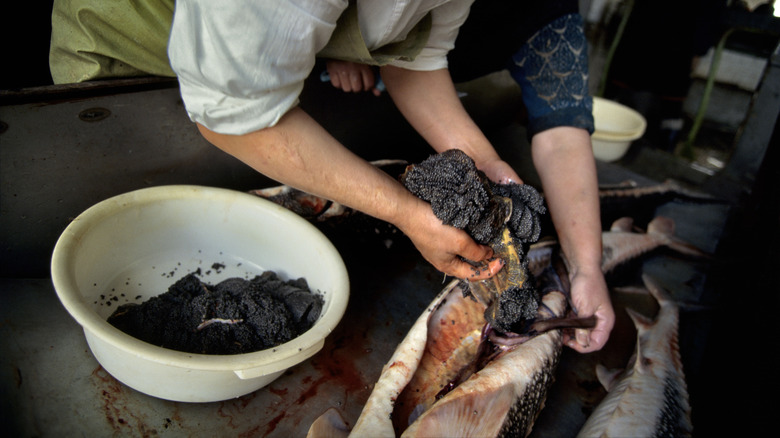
571	342
471	272
486	271
335	80
583	338
344	78
510	180
368	79
473	251
356	81
463	270
598	339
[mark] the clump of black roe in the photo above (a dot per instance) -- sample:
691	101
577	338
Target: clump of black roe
464	197
232	317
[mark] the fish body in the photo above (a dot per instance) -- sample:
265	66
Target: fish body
649	398
503	398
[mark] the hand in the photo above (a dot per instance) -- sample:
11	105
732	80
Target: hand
352	77
500	172
589	296
443	245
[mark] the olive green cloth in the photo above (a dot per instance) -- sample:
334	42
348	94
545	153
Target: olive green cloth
94	39
347	44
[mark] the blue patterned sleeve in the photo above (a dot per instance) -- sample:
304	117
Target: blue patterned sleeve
552	71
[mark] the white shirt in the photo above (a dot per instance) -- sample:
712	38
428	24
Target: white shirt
241	64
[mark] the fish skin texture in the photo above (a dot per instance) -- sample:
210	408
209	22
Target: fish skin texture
650	398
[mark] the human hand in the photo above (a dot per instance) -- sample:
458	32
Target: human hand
352	77
500	172
589	296
445	247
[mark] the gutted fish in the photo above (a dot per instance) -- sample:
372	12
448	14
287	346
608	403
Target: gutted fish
507	393
650	397
435	385
454	374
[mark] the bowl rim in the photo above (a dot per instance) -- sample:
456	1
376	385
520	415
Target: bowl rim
627	135
97	326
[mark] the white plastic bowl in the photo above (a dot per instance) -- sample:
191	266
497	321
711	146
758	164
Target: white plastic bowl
617	126
139	243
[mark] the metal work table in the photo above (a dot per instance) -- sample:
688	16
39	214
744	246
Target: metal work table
54	387
53	168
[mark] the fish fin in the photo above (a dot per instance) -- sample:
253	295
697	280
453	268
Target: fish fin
623	224
663	227
608	377
455	416
329	425
641	322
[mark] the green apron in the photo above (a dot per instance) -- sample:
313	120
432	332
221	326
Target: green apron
347	44
97	39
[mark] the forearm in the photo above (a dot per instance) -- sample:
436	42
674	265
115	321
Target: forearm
300	153
429	101
564	160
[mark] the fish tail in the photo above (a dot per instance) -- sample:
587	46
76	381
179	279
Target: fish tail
329	425
625	224
663	228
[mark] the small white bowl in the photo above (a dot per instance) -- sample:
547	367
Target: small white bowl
616	127
136	245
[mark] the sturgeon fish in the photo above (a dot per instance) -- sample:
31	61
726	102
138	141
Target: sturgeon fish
642	201
423	390
502	399
650	397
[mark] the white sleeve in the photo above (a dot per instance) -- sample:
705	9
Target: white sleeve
241	64
446	21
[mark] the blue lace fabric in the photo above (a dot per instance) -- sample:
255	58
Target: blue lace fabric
552	71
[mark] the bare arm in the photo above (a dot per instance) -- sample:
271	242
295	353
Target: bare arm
299	152
429	101
564	159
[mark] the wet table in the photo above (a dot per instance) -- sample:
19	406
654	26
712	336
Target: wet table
52	385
